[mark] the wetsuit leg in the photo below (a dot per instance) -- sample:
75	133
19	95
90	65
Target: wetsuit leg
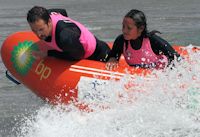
101	51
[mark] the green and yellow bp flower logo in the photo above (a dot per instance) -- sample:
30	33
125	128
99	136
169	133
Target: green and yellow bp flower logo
22	56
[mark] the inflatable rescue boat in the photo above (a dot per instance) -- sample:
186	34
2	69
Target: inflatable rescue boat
55	79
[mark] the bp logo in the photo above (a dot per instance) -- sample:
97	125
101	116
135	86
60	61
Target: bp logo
22	57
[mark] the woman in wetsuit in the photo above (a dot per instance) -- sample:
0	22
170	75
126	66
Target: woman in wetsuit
70	39
140	48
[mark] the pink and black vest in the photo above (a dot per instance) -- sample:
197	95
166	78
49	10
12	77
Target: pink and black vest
87	39
144	57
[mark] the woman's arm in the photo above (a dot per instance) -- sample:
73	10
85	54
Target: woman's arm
161	46
117	48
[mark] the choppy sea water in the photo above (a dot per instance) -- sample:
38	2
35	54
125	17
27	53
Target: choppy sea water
168	105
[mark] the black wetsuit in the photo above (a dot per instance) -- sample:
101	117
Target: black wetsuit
158	45
67	39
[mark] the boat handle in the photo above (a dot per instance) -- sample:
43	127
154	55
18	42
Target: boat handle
11	78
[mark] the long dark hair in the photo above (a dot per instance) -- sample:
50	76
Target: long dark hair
37	13
139	18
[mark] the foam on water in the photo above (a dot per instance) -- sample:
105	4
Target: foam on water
163	104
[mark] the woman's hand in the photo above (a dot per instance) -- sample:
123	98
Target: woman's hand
112	64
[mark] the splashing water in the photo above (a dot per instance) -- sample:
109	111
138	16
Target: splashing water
163	104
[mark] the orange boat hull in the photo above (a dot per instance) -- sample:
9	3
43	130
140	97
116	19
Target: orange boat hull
54	79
